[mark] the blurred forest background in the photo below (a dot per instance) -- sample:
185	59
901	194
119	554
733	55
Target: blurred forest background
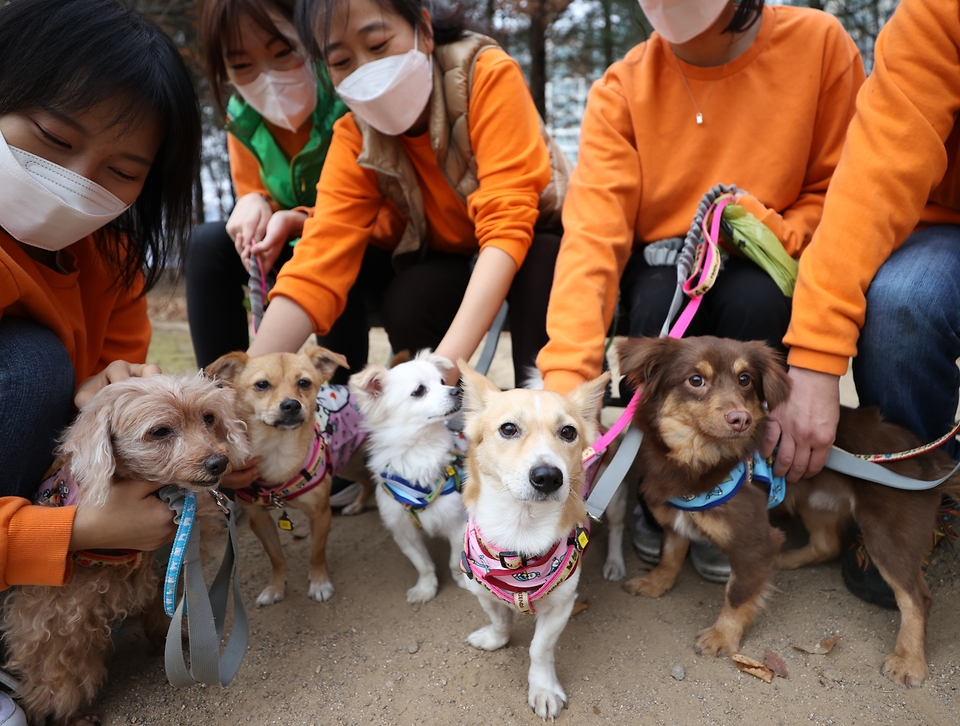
562	45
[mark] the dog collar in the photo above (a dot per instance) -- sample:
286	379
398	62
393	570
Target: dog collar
109	558
512	577
755	469
414	497
310	475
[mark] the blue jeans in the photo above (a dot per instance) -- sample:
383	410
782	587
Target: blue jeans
36	401
907	356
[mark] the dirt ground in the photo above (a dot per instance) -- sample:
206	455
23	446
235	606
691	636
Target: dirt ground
367	657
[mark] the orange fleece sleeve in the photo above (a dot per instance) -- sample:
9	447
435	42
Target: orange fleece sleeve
128	332
513	165
244	170
598	218
33	543
327	259
893	159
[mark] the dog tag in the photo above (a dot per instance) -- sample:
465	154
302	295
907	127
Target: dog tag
285	523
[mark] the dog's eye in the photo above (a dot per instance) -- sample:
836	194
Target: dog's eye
568	433
744	380
262	385
420	391
696	381
509	430
304	383
209	419
161	432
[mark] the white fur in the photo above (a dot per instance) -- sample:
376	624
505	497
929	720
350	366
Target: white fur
408	437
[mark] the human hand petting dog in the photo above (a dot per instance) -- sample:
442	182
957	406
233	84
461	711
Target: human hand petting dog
244	477
119	370
248	223
805	425
133	518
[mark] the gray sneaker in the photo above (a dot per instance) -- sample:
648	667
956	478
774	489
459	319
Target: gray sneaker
709	562
342	493
646	540
10	713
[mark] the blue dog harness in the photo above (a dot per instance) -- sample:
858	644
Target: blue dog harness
414	496
756	468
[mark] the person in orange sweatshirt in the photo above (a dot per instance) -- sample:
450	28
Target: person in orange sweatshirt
444	136
99	143
721	92
880	281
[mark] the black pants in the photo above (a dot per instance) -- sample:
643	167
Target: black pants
744	303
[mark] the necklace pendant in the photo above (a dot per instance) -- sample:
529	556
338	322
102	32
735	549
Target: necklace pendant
699	119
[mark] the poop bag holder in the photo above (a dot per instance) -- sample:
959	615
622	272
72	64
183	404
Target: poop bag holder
204	610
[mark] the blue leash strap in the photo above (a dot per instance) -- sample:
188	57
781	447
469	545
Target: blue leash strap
184	520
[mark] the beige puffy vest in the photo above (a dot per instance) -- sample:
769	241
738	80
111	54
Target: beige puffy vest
453	66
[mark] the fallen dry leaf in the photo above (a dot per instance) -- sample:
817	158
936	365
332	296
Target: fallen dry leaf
822	648
775	663
596	710
753	667
579	607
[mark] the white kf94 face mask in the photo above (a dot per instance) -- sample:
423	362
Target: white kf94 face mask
44	205
390	93
284	98
678	21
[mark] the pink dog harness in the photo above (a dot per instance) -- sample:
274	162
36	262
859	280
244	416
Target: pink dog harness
337	436
512	577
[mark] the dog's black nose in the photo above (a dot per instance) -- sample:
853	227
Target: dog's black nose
290	405
216	464
546	478
739	420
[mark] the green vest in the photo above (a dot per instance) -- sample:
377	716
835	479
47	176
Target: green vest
290	183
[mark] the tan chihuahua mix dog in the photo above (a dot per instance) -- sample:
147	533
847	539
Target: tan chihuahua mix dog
304	432
526	530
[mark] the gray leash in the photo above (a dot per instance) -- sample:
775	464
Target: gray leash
206	612
854	466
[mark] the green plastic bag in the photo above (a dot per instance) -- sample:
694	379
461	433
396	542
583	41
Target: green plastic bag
753	239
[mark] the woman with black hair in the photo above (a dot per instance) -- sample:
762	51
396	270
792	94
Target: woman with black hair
722	92
99	143
444	137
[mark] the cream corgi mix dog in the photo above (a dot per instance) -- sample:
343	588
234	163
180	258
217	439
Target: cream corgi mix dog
414	460
304	433
527	516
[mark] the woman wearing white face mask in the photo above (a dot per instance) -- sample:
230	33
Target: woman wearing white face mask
279	124
444	135
723	92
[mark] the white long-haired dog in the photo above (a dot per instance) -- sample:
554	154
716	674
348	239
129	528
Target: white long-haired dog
162	429
415	459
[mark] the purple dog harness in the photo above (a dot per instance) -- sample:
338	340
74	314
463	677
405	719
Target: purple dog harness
337	436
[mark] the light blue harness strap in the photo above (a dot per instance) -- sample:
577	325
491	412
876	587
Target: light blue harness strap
854	466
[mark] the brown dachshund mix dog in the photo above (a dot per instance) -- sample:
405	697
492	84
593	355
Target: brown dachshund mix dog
702	412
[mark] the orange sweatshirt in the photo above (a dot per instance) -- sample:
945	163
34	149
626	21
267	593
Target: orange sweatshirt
899	168
97	323
513	167
774	122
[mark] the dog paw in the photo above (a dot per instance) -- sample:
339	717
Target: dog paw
909	672
84	719
320	591
713	641
424	591
614	569
270	595
487	638
547	701
647	585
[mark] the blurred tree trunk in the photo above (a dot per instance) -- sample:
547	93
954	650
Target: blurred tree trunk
538	55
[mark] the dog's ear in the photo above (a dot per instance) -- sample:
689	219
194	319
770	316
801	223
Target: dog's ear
642	358
368	383
438	360
477	388
588	397
227	367
325	361
774	384
88	448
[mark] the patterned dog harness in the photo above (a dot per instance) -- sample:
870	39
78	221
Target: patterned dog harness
60	490
755	469
415	497
512	577
337	436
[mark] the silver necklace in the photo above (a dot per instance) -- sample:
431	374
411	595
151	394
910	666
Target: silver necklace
690	93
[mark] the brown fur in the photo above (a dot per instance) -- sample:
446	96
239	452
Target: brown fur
896	525
288	376
57	637
701	413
